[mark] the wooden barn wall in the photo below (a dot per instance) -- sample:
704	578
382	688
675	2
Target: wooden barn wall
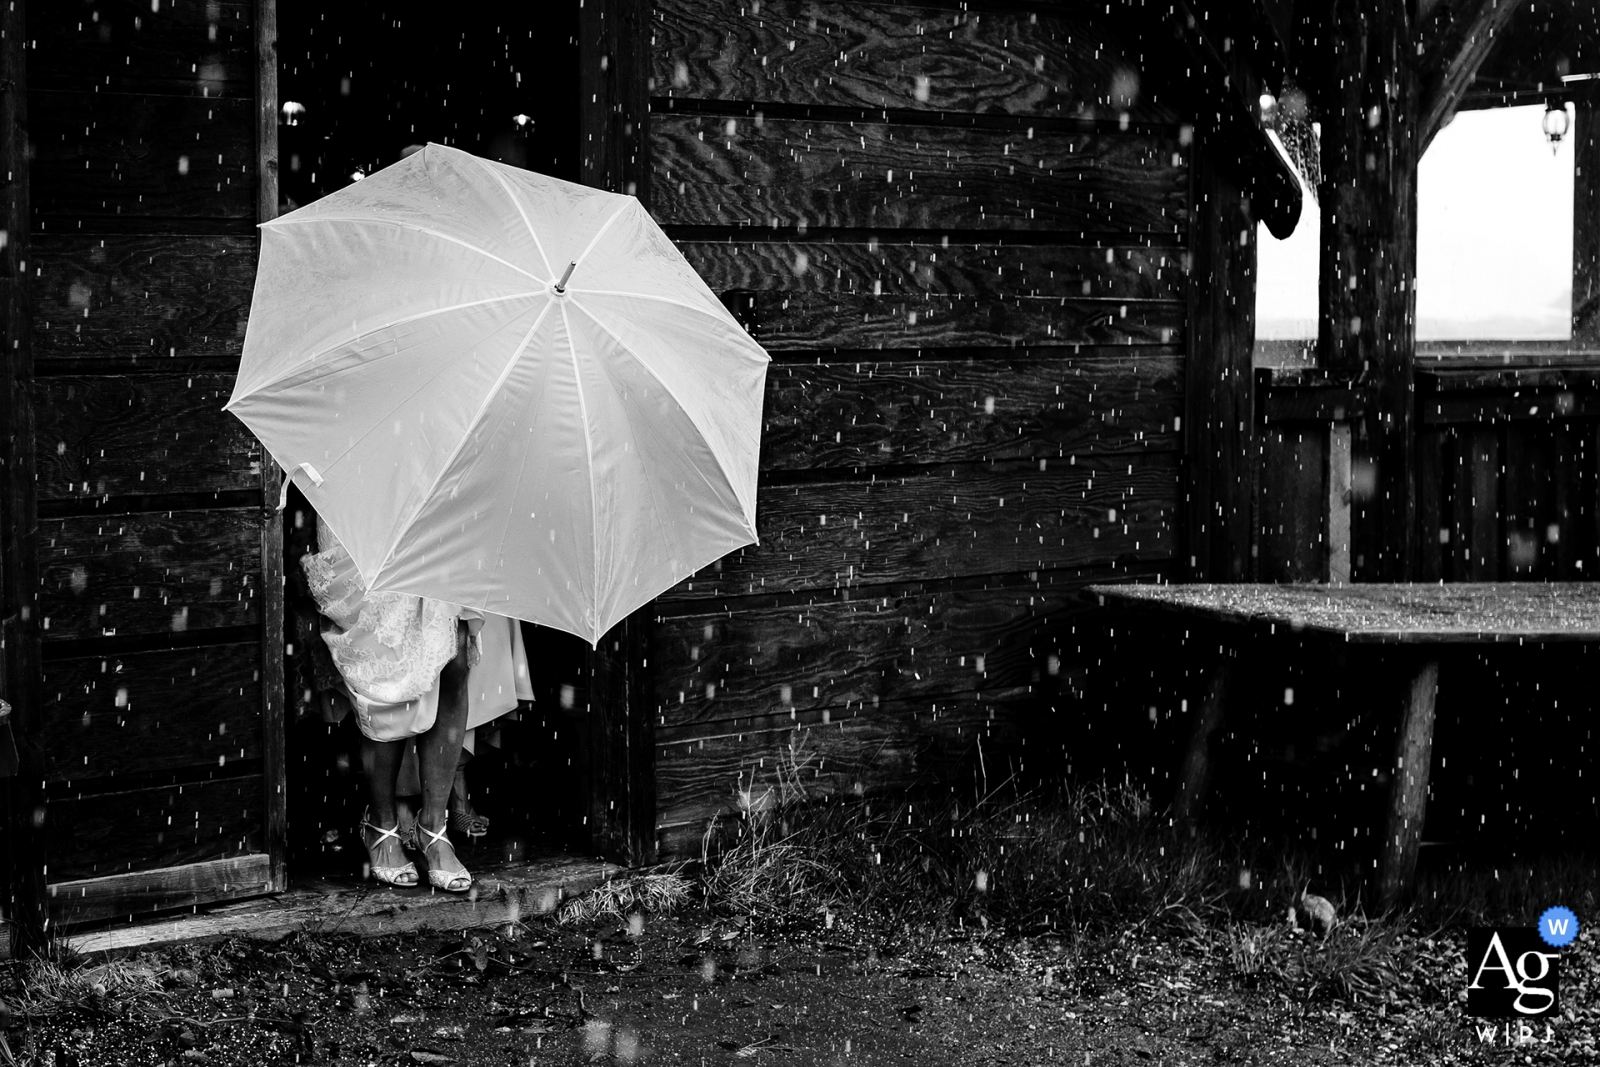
157	728
961	235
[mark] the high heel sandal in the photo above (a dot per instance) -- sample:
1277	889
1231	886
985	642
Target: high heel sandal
403	876
457	882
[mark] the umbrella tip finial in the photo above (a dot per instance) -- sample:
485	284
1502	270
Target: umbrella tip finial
561	286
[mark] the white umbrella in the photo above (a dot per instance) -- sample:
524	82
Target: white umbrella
503	391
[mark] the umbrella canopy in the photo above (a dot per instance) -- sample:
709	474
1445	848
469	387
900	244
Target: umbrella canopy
477	432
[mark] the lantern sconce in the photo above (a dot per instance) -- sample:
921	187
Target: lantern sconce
1555	123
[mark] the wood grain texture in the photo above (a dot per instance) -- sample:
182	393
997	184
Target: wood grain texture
866	415
158	433
151	711
188	49
806	322
922	177
150	573
901	268
1062	64
1219	415
273	650
189	886
1586	222
717	669
1408	790
140	158
952	523
141	299
21	844
145	829
862	752
1294	464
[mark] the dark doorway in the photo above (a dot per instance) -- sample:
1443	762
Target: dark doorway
359	83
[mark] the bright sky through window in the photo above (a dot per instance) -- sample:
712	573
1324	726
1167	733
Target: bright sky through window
1494	239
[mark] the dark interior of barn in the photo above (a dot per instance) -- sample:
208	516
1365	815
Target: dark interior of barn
362	82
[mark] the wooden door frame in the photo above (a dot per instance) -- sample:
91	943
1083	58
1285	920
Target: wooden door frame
618	748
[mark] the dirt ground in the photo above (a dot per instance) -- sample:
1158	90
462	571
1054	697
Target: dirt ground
701	991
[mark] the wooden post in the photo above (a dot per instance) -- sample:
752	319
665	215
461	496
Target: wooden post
23	849
274	765
1408	790
1194	779
1338	502
1367	285
1219	398
619	756
1586	222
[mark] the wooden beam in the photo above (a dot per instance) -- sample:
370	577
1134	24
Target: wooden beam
274	764
1219	399
1408	789
23	850
1367	276
1225	108
1586	222
1451	46
618	751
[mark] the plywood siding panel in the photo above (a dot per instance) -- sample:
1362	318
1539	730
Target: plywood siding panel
185	48
164	826
141	300
804	322
158	433
151	711
838	174
140	158
901	56
875	414
1294	466
160	572
931	267
716	670
953	523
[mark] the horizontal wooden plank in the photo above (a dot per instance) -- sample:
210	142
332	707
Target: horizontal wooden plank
864	415
149	573
718	669
191	49
159	433
139	156
900	268
787	171
1543	405
140	299
950	524
145	829
150	711
1052	64
140	892
806	322
863	752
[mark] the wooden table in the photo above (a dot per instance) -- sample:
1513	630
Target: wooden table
1407	622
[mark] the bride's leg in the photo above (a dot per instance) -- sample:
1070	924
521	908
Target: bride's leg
438	751
380	761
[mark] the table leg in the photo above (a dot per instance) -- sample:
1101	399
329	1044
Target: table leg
1408	790
1195	777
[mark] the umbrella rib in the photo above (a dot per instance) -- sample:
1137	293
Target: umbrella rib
727	478
429	230
599	234
588	445
708	313
419	316
484	163
461	444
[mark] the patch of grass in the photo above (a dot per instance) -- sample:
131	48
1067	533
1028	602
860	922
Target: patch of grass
76	984
617	898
